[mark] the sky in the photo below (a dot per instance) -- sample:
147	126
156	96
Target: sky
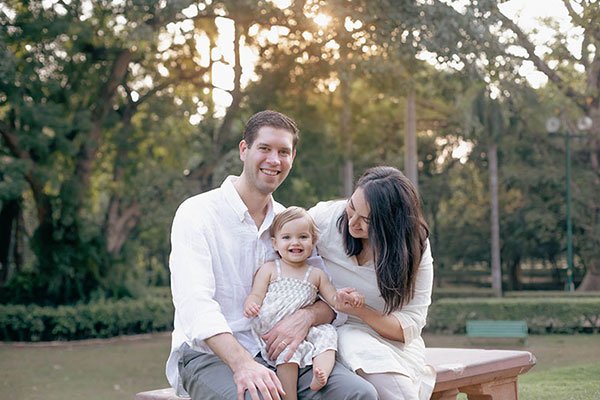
527	14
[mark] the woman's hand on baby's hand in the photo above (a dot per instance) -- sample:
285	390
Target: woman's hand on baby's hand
251	309
348	297
358	300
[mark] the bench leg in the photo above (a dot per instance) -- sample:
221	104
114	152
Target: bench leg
504	389
445	395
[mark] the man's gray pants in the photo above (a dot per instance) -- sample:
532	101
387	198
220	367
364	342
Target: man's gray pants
206	377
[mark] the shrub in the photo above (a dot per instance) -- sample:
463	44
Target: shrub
550	293
543	315
460	292
99	319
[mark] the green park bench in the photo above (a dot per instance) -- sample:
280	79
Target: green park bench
495	329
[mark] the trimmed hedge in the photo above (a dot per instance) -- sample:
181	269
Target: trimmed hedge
462	292
543	315
101	319
154	313
550	293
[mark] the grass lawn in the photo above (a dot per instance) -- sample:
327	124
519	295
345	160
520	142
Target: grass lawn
568	367
91	370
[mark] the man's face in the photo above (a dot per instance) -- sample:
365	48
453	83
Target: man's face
269	160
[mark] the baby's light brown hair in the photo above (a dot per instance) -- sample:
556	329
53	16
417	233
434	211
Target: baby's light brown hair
290	214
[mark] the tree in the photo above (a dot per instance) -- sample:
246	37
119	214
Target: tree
487	126
580	89
71	84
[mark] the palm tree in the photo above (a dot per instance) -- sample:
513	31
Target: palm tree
487	126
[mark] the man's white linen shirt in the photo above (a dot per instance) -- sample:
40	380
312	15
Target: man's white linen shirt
216	249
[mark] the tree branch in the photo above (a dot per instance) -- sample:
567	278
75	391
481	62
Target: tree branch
574	16
87	153
224	131
12	142
524	41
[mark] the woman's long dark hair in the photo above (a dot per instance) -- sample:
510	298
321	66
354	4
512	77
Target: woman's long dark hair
397	233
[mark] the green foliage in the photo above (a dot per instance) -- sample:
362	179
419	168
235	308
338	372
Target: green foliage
97	151
543	315
460	293
550	293
468	292
75	107
99	319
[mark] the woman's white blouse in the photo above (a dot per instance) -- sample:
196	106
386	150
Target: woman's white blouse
360	347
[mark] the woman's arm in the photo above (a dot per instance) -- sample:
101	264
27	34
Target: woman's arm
406	323
413	315
387	326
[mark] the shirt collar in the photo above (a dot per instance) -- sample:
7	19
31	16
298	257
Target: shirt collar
236	202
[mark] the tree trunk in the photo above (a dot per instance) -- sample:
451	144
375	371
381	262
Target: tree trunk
515	273
410	144
121	219
346	134
120	223
591	221
86	157
9	215
204	174
495	220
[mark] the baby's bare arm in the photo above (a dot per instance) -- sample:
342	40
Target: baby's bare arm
334	297
259	290
326	289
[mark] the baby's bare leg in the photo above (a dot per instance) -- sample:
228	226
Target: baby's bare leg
322	367
288	375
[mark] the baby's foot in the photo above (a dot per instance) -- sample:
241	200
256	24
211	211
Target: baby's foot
319	379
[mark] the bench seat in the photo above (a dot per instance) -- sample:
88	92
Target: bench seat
481	374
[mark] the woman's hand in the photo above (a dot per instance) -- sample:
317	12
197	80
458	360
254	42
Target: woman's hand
348	297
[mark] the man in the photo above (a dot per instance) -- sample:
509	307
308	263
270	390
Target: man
219	239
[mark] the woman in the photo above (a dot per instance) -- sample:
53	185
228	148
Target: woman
377	242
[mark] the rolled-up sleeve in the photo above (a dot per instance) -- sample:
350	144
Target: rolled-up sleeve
193	280
413	316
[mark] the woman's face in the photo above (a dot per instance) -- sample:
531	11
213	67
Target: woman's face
359	213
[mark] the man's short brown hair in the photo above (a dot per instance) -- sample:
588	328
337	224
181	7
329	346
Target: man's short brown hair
272	119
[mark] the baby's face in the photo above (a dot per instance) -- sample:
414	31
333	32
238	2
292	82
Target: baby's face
294	241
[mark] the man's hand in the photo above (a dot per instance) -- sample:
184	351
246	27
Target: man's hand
247	373
288	333
256	378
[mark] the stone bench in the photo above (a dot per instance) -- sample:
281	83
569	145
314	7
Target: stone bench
481	374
